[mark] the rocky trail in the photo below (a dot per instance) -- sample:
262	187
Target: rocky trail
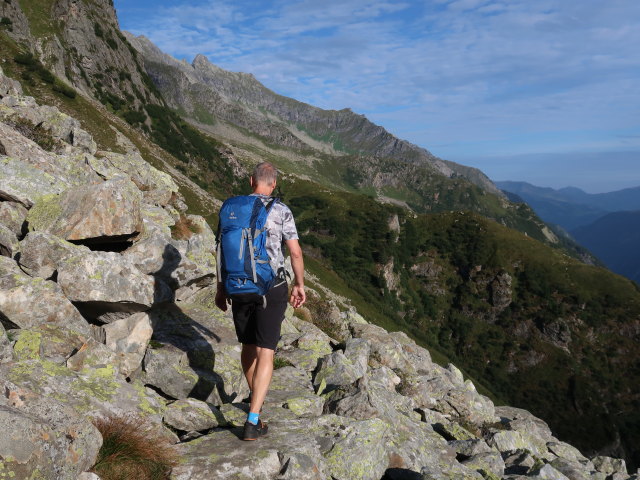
106	308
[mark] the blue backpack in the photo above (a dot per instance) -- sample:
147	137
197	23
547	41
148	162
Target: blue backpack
243	262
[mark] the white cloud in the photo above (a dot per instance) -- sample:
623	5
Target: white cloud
465	74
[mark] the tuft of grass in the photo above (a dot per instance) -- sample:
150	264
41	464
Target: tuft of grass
34	132
131	448
280	363
184	228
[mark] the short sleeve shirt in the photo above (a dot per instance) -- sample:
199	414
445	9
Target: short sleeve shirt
280	227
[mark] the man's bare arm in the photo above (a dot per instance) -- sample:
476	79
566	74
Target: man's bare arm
298	295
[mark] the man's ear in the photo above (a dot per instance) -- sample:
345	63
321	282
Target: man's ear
251	182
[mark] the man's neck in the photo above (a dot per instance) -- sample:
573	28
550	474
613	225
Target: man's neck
260	190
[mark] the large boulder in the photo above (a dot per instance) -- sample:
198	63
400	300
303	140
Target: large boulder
104	212
8	242
359	453
191	415
12	216
71	167
41	253
27	302
157	187
336	370
9	86
168	368
26	184
43	438
186	265
129	339
58	124
90	391
208	337
6	352
103	284
47	341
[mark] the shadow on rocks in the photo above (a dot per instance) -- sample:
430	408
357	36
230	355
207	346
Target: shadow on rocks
180	360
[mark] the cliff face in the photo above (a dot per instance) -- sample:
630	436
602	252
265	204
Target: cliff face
80	41
106	309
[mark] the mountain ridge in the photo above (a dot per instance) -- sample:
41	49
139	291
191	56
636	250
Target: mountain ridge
292	112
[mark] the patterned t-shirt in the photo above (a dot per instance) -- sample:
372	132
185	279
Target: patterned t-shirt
281	227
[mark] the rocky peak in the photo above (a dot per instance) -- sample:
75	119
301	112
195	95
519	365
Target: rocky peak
83	46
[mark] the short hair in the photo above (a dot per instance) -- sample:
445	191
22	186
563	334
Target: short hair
265	173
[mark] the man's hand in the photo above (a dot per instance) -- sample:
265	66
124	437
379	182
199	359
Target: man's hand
221	298
298	296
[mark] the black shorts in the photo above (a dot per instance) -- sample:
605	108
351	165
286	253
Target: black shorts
257	325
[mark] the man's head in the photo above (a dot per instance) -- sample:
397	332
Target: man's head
264	178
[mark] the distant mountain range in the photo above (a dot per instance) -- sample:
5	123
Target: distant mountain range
571	207
608	224
614	239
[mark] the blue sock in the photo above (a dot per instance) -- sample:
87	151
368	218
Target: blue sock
253	418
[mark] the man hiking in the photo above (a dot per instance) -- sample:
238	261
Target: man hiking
251	236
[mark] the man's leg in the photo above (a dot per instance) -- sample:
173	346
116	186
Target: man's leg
248	359
261	380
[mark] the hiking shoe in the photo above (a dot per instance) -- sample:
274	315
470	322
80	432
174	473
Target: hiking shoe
252	432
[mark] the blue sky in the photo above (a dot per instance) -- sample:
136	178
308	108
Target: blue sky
542	91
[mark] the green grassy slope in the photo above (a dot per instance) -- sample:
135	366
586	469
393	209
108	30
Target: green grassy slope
562	345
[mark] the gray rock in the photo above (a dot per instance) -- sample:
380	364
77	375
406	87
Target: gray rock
103	282
104	212
523	421
484	463
93	355
359	452
43	437
298	465
181	264
355	401
90	392
6	351
28	302
234	414
437	473
385	350
572	470
168	368
519	462
507	441
68	167
46	341
157	187
609	465
8	86
336	370
292	390
357	350
129	338
566	451
88	476
193	415
222	456
208	335
305	359
12	216
547	472
471	447
385	377
26	184
41	253
8	242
